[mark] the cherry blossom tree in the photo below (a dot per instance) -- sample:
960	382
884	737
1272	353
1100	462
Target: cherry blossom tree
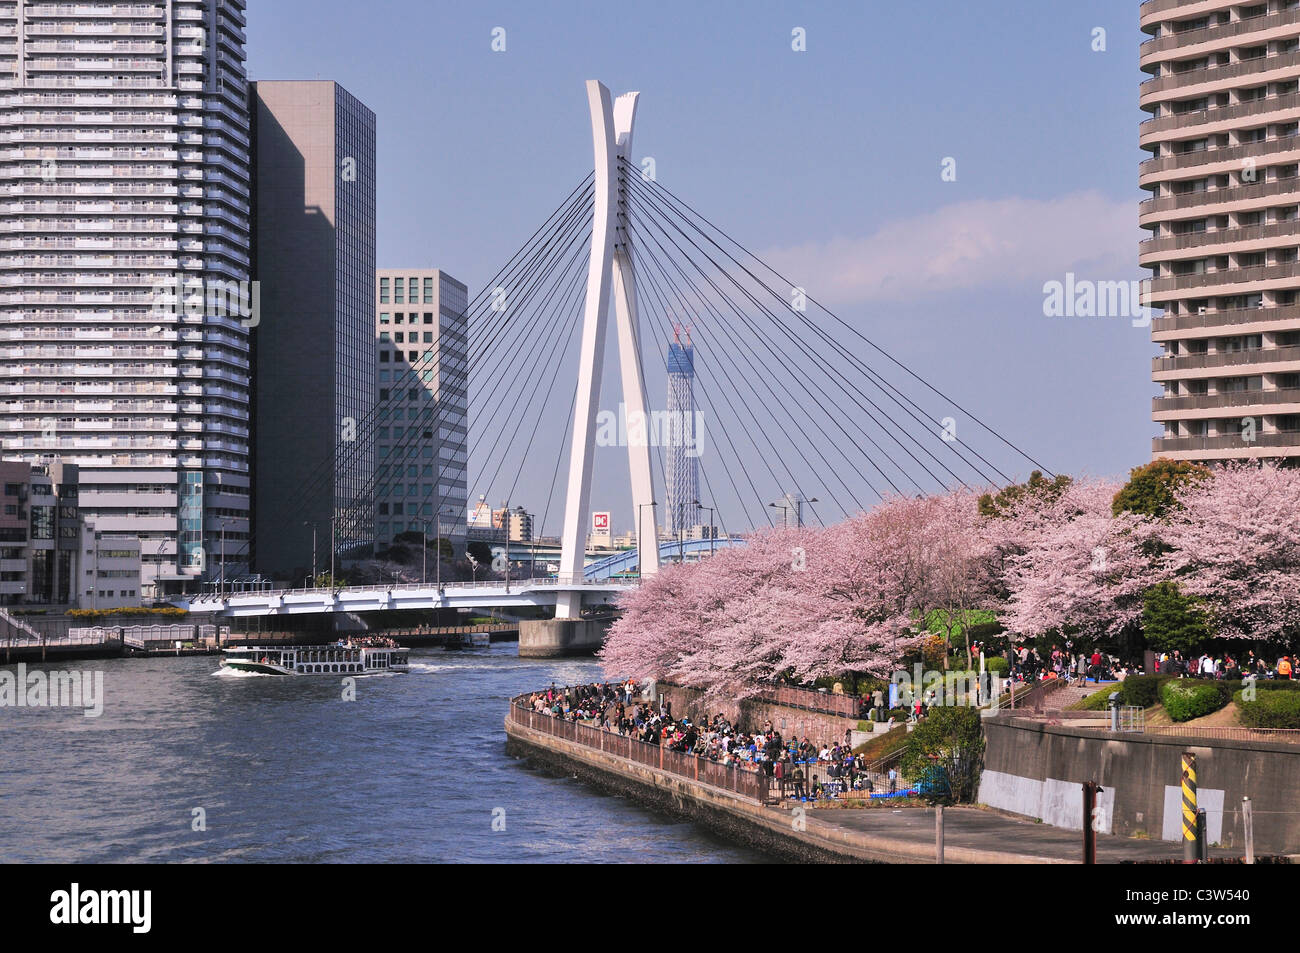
1234	541
1079	566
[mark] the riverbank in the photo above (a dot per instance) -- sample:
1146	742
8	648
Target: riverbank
799	831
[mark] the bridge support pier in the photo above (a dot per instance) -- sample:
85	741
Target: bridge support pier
556	638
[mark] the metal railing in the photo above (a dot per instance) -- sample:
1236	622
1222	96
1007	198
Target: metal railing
740	780
530	583
1221	732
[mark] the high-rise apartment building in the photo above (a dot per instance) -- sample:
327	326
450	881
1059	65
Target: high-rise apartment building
422	360
123	210
314	259
1224	218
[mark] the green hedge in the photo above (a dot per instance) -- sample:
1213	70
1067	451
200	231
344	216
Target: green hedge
168	613
1141	690
1276	685
1186	698
997	665
1270	710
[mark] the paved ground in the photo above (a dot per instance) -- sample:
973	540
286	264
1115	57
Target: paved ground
990	830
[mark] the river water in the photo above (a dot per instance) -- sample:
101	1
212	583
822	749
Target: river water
285	770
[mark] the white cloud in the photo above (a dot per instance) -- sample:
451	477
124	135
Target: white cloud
976	244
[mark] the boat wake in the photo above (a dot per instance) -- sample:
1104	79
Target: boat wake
224	672
428	668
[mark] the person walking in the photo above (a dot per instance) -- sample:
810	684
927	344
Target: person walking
799	791
893	780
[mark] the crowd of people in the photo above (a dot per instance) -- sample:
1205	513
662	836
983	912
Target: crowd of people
1208	665
795	767
1028	664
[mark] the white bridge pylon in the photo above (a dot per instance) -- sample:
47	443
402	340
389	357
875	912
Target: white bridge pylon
610	270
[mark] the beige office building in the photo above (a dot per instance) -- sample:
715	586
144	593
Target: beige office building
1223	95
422	353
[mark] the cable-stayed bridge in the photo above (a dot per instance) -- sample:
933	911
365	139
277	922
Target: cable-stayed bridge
799	404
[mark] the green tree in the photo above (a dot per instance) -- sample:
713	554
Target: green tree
948	740
1153	488
997	504
481	552
1172	620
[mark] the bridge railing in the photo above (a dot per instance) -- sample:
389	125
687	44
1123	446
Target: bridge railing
746	782
493	584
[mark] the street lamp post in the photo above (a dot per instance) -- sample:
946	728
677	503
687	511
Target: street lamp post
712	534
681	529
312	575
788	502
505	526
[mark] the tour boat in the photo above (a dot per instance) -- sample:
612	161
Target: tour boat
368	656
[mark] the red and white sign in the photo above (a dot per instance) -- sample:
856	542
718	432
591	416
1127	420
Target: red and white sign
600	524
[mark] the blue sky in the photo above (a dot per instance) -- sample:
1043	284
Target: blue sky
825	161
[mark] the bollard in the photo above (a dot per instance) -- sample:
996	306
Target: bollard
1189	808
938	834
1090	791
1248	829
1202	840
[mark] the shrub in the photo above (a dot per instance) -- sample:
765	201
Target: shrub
1270	710
1141	690
168	613
1185	698
997	665
943	733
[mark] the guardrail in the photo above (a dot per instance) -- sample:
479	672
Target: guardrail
748	783
530	583
1222	733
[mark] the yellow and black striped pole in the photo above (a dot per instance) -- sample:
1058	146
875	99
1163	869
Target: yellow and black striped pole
1189	808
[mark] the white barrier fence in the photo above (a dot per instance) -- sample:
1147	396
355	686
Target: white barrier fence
149	636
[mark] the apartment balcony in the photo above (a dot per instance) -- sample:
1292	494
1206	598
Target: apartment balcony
1285	275
1273	359
1227	447
1217	78
1281	401
1211	241
1216	201
1208	161
1221	36
1241	320
1218	118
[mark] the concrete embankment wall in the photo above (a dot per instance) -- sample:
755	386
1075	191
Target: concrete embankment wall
738	819
791	722
1037	769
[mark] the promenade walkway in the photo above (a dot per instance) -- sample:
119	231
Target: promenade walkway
732	801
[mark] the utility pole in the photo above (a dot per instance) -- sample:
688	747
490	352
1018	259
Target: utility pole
312	575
